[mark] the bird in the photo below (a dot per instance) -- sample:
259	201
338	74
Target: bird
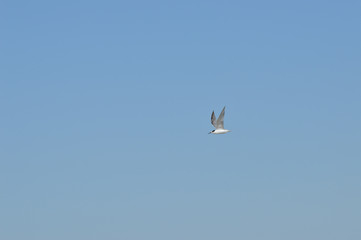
218	123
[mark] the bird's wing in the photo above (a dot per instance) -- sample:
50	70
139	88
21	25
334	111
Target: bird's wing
214	120
220	123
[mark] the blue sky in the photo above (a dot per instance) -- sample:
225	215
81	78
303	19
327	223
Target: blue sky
106	109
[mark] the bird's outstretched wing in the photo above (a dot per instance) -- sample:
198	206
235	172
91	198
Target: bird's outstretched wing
220	124
214	120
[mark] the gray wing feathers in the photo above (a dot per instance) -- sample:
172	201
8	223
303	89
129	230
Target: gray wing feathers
220	123
214	120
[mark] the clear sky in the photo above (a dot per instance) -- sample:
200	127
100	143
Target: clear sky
105	110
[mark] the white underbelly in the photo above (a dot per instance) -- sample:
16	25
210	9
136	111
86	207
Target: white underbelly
221	131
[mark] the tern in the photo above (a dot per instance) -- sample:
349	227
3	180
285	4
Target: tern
218	123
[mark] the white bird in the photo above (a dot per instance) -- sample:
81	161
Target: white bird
218	123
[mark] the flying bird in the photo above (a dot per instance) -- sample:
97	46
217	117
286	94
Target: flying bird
218	123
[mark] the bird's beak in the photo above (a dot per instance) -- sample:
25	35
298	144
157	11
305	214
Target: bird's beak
209	132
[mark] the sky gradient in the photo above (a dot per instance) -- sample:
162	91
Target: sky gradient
105	110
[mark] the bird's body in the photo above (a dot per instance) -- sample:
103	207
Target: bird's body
220	131
218	123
